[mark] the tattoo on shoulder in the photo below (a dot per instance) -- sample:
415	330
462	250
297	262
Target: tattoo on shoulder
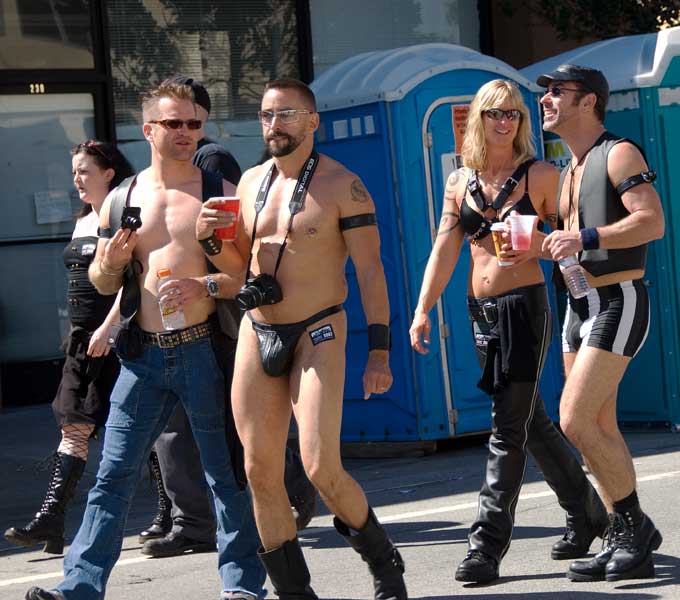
359	192
449	221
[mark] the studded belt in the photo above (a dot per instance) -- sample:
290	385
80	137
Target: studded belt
172	339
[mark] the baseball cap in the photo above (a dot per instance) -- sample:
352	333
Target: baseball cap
200	93
591	79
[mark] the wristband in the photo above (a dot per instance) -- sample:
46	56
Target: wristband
211	246
590	238
379	337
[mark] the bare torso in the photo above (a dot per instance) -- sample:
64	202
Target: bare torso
167	241
312	269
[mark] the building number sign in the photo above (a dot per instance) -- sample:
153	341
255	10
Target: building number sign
36	88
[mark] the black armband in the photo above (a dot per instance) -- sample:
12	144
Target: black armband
211	246
379	337
358	221
590	238
631	182
104	233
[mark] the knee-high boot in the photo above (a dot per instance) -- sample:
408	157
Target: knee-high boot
48	524
288	571
378	551
586	514
162	521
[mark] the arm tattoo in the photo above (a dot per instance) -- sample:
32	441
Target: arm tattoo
359	192
446	224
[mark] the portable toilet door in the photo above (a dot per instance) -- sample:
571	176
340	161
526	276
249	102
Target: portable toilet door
643	72
389	116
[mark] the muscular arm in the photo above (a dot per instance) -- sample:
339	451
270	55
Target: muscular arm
646	220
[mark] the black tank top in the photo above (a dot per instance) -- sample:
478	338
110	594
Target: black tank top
471	220
87	308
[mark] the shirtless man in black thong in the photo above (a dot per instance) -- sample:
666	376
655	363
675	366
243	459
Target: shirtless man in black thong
313	214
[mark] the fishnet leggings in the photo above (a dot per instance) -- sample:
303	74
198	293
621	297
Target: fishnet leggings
75	439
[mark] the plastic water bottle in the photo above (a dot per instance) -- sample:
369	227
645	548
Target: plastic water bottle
171	314
574	276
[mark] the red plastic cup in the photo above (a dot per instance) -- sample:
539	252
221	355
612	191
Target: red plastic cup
521	227
232	204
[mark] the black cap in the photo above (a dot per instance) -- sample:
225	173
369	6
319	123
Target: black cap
591	79
201	95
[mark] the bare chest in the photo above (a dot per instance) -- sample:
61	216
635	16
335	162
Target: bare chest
569	199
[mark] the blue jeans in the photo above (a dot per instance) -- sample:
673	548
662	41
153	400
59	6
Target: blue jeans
142	401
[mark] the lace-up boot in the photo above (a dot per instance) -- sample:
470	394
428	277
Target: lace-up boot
477	567
378	551
636	539
162	522
48	524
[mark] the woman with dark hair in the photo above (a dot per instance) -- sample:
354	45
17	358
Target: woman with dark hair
81	405
511	325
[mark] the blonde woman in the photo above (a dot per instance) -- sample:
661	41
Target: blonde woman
511	325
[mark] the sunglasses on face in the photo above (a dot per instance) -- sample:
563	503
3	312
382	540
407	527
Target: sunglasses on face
556	90
498	113
192	124
286	117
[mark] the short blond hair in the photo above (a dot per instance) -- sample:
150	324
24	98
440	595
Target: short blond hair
151	98
492	95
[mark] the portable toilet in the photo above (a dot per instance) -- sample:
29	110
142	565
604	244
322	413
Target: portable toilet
644	77
396	119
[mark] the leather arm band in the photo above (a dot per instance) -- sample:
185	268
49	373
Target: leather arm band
358	221
631	182
104	233
211	246
379	337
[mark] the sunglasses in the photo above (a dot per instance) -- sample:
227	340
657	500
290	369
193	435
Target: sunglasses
94	146
192	124
556	90
291	115
497	114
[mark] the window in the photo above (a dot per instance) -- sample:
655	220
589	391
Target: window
45	34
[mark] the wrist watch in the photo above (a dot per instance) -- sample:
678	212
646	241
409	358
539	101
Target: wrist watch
212	286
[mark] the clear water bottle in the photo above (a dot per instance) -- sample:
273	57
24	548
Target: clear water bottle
172	314
574	276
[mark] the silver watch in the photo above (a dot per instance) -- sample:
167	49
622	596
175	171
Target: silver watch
212	286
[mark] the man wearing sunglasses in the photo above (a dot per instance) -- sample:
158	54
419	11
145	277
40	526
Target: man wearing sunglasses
303	215
161	368
608	212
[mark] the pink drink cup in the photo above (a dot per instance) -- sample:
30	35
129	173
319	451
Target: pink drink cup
521	227
232	204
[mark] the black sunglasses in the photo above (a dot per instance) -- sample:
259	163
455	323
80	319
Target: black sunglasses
498	113
556	90
192	124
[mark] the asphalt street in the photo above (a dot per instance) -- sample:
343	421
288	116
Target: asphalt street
426	502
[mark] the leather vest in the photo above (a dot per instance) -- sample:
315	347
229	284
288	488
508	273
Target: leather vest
599	204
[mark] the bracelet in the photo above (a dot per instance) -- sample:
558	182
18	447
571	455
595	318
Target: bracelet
379	337
211	246
109	273
590	238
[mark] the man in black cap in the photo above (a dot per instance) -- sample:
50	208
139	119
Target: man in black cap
608	211
193	522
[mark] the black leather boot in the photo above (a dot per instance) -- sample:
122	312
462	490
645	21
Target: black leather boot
378	551
37	593
162	522
477	567
636	540
48	524
584	524
594	569
288	571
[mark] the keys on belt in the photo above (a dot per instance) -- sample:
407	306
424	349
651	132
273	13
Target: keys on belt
485	310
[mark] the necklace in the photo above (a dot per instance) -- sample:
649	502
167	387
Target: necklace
572	170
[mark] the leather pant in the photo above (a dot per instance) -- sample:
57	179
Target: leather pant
520	423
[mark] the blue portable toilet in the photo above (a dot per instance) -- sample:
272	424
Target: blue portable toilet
395	118
644	77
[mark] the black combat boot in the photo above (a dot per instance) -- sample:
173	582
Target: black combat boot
47	527
162	522
36	593
636	540
378	551
288	571
477	567
584	524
